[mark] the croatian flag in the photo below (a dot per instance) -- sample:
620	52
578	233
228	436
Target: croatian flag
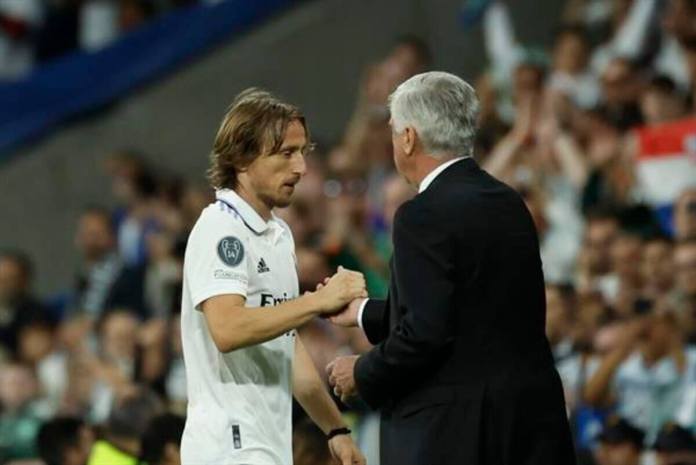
666	160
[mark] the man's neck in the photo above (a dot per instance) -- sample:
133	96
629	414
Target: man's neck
427	166
256	203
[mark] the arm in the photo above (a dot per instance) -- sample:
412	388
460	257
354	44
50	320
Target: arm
374	320
233	326
311	393
505	151
629	40
598	386
499	38
371	315
423	260
571	159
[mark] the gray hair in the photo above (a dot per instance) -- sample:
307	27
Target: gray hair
442	108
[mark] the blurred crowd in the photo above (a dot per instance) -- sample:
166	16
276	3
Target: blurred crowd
33	32
596	130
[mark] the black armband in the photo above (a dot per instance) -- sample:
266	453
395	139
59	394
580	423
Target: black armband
336	432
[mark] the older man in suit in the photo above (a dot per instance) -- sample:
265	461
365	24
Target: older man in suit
461	369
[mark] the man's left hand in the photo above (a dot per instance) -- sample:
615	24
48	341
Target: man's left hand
341	379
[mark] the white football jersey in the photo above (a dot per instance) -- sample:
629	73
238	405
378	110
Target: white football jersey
239	403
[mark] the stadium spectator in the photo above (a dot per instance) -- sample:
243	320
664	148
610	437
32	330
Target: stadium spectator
620	443
675	445
645	373
20	414
127	422
661	101
683	297
18	306
64	441
135	188
594	262
657	268
570	77
161	440
685	215
104	280
19	20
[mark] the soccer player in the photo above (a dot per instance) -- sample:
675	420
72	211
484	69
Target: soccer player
241	304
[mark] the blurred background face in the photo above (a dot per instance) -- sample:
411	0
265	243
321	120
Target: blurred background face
679	20
119	336
193	201
396	192
619	83
312	268
626	255
570	53
13	279
599	238
556	314
658	336
658	106
410	58
658	266
94	238
685	215
17	386
35	343
617	454
590	315
527	81
685	264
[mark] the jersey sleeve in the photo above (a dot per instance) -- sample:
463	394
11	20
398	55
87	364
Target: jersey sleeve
216	261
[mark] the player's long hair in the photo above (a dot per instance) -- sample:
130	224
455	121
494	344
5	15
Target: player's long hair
254	124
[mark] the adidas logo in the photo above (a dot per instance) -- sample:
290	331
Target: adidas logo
262	267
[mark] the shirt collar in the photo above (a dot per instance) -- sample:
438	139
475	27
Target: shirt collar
434	173
250	217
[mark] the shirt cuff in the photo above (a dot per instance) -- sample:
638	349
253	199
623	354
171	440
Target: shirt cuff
360	314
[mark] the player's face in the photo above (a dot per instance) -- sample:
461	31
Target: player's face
273	176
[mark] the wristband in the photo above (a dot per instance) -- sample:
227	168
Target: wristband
337	432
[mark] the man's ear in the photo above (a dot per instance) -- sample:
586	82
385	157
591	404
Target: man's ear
410	137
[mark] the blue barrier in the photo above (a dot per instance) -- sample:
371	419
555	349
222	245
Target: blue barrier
82	81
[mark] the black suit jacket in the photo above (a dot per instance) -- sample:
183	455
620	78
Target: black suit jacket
461	369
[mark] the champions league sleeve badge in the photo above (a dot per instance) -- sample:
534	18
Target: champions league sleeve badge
231	251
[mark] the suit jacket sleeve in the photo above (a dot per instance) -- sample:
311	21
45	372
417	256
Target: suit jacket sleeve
375	320
423	269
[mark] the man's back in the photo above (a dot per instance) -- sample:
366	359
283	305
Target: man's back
465	327
499	303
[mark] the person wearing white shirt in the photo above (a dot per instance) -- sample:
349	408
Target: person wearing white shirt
241	305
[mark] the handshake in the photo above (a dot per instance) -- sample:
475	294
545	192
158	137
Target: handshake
339	297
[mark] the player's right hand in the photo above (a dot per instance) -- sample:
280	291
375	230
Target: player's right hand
341	289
